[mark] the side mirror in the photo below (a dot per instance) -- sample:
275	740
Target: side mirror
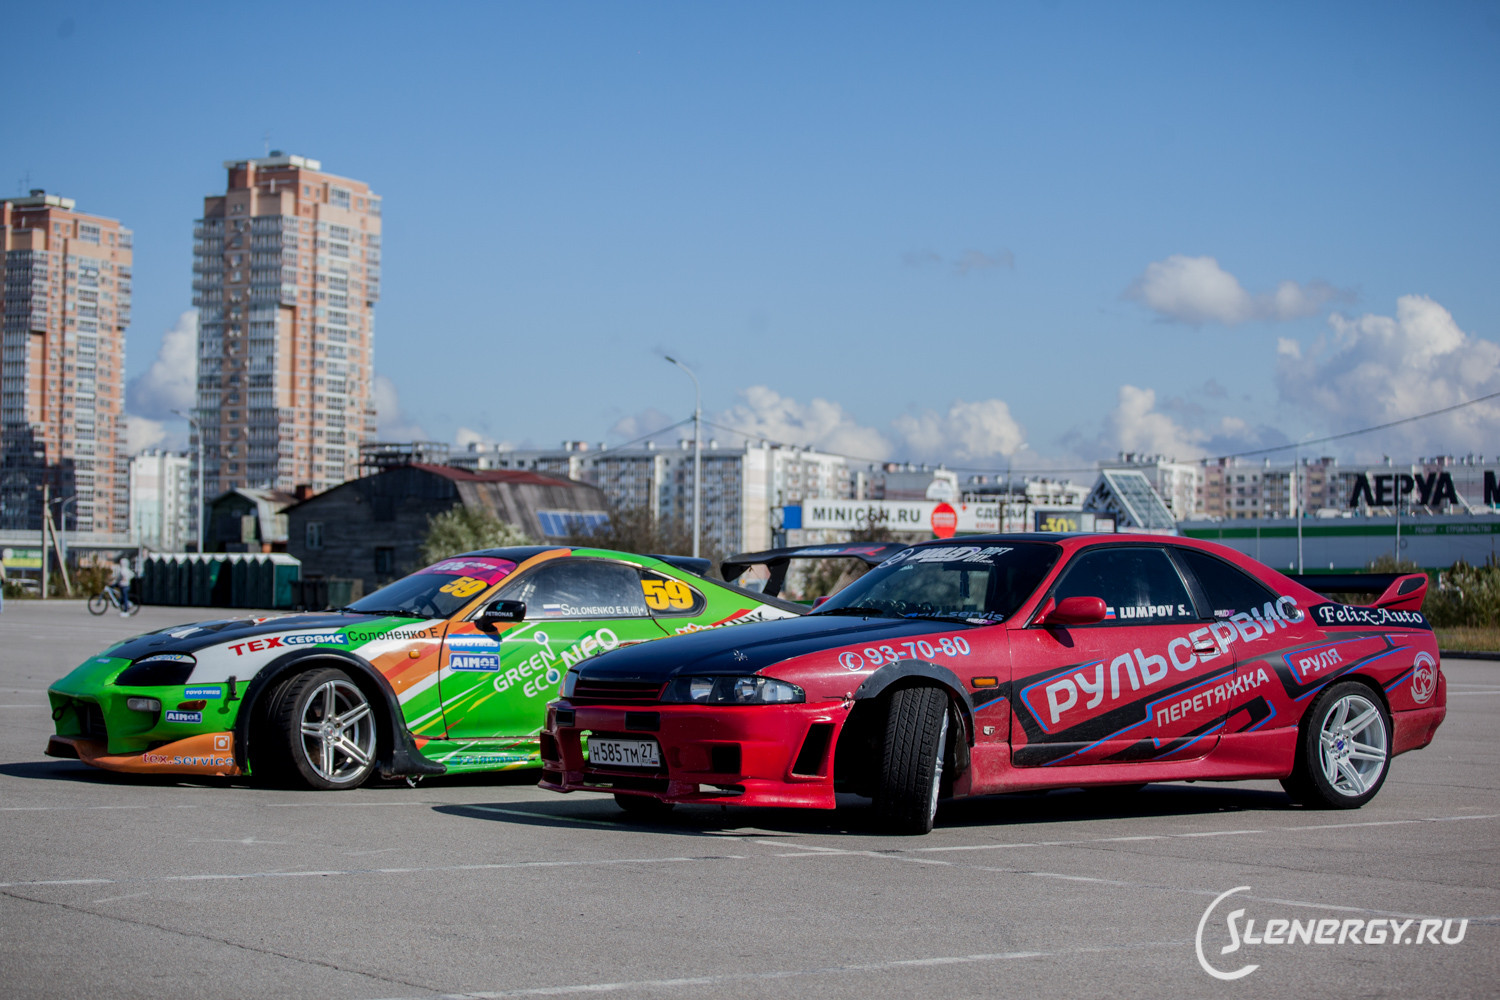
503	611
1074	611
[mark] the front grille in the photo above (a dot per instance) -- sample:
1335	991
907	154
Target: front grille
90	721
587	692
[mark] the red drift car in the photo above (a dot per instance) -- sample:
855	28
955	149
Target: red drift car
1008	663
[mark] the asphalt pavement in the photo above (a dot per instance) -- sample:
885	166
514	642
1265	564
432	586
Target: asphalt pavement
116	886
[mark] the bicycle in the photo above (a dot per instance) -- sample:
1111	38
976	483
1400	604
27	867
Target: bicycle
106	599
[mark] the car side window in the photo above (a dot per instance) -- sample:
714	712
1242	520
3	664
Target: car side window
670	598
580	588
1139	585
1229	590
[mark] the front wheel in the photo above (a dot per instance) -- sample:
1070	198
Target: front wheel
911	760
1343	750
98	604
322	731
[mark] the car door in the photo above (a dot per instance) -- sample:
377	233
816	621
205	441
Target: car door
1115	691
497	682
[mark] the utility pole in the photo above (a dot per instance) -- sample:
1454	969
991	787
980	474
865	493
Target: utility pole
46	520
697	453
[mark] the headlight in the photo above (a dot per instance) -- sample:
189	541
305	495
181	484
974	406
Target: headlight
158	670
143	704
749	690
570	681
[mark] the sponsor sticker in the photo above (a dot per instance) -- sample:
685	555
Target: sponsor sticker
1423	678
193	717
473	661
314	638
210	691
851	661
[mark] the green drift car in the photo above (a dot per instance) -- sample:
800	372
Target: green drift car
447	670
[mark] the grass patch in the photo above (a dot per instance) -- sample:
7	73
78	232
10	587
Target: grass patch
1469	638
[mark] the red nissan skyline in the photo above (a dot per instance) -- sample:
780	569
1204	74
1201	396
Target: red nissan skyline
1010	663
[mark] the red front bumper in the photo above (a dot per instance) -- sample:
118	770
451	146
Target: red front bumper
762	755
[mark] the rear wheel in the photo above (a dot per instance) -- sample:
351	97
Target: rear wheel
1343	749
642	806
911	760
322	731
98	604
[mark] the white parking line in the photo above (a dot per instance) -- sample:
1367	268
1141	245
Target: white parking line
345	872
776	974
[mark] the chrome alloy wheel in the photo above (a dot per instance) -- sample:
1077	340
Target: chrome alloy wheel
1353	745
338	731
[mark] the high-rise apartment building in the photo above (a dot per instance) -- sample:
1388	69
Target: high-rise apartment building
66	294
286	275
163	503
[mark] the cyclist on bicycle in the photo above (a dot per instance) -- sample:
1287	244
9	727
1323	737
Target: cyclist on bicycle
119	582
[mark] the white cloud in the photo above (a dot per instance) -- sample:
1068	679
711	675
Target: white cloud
392	422
968	431
142	433
821	424
171	381
1197	290
1375	369
1136	425
650	422
467	436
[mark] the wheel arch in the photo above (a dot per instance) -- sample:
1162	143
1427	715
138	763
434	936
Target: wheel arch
866	717
396	749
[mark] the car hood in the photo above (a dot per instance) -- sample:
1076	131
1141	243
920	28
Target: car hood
200	635
746	649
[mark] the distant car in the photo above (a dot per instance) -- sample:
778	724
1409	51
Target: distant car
447	670
1010	663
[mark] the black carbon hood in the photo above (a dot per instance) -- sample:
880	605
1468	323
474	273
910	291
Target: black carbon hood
746	649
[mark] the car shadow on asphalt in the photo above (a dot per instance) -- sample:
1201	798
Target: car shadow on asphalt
81	773
855	818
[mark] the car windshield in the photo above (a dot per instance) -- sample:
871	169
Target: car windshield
980	582
437	591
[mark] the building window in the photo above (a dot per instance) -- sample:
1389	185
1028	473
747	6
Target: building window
385	560
339	197
315	534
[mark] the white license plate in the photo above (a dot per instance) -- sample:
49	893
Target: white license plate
624	753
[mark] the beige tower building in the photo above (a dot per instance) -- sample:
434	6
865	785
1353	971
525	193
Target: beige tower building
66	295
286	275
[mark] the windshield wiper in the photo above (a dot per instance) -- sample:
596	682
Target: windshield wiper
369	611
856	609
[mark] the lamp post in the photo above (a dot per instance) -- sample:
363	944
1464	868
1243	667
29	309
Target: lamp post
697	453
1010	458
197	433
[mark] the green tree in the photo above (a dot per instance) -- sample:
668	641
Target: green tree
826	577
633	529
1465	596
463	529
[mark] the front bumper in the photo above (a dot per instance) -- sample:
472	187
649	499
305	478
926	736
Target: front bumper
761	755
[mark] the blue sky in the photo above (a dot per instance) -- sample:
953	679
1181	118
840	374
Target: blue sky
1033	233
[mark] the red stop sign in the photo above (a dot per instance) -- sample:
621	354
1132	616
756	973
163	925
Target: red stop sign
944	521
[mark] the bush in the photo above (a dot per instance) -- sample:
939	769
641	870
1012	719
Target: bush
1465	596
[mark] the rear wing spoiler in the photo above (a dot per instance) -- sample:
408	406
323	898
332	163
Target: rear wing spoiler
1399	591
777	560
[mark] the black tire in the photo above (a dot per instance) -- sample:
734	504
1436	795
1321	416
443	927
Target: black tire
1334	769
340	756
98	604
643	807
911	760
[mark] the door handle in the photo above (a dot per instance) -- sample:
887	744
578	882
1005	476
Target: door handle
1205	646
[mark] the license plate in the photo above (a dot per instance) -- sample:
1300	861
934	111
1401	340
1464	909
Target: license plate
624	753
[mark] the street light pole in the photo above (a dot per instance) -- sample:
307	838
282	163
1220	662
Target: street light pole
697	453
198	433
